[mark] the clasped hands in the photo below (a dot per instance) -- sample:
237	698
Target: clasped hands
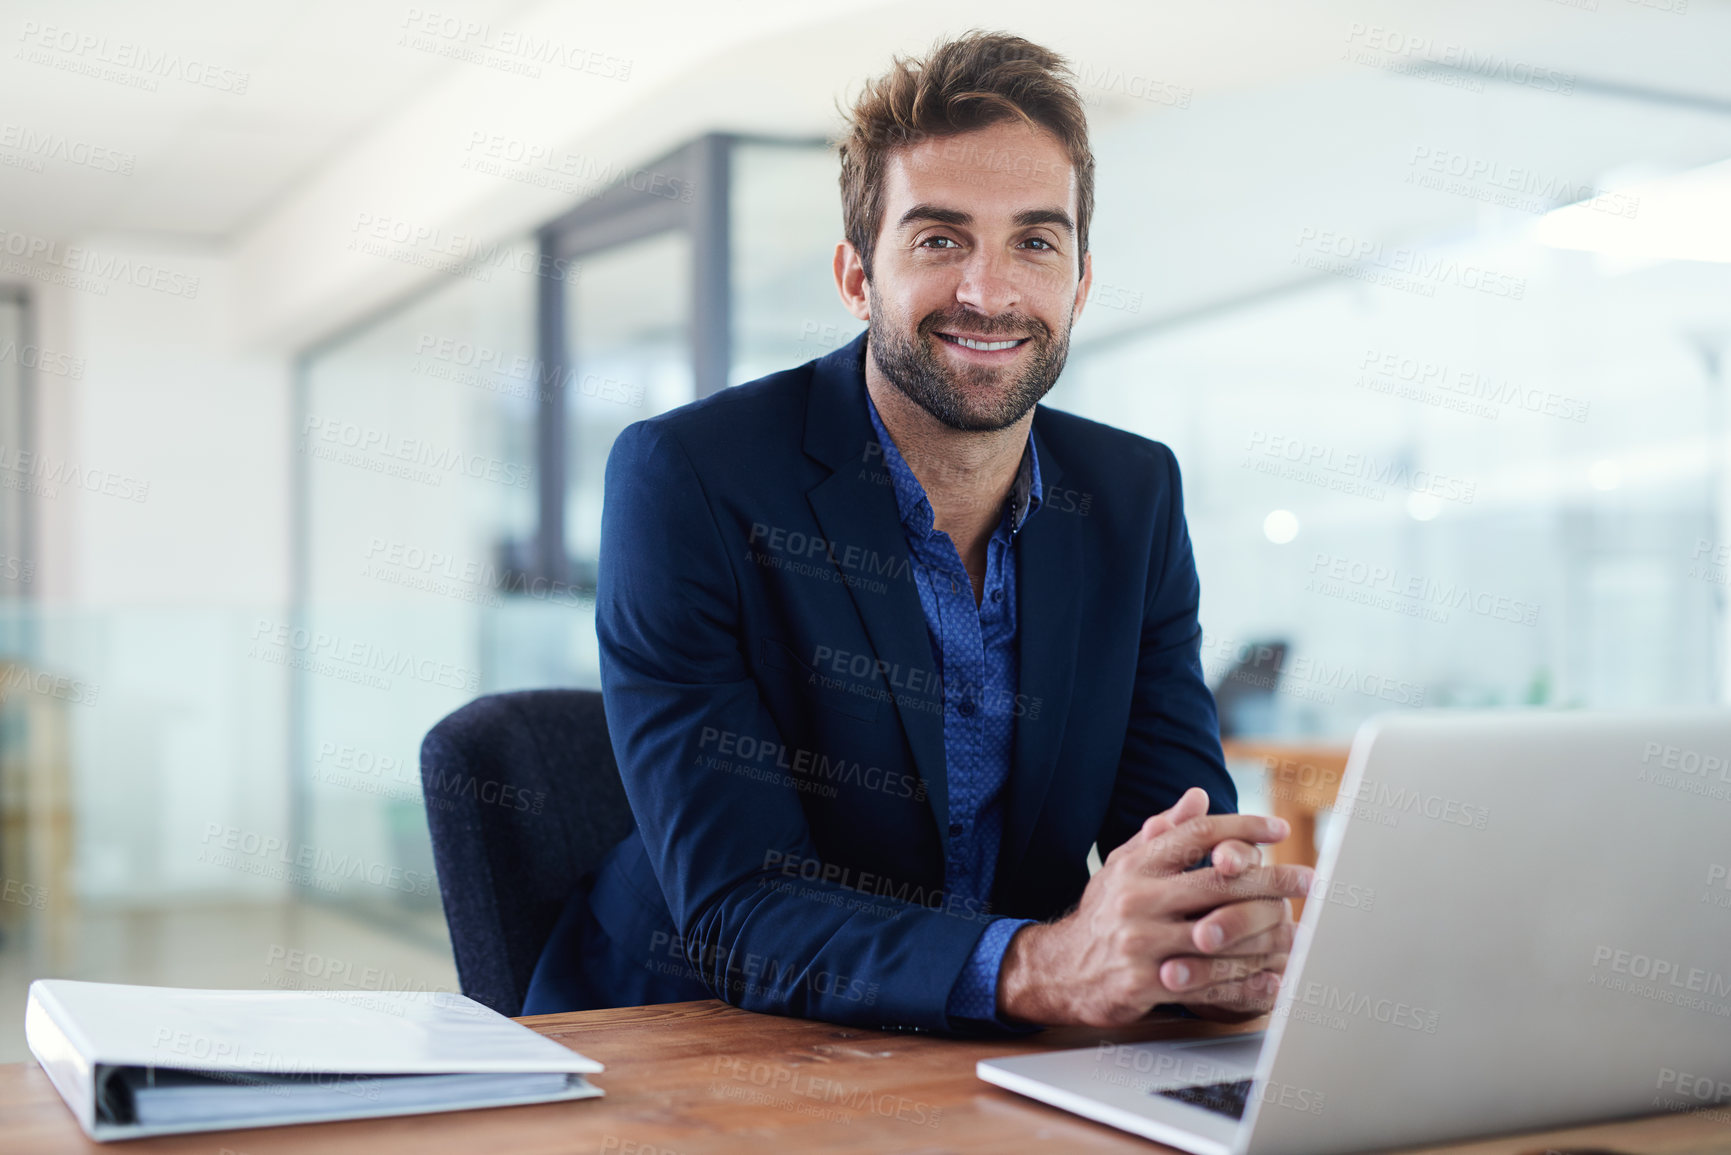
1149	930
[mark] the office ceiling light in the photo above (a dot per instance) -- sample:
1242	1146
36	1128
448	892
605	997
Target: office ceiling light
1422	506
1280	526
1675	218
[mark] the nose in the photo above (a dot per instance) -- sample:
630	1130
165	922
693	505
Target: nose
990	283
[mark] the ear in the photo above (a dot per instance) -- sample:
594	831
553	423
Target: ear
850	280
1082	287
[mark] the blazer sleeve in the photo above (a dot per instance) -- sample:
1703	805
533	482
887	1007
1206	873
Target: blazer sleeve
674	681
1173	739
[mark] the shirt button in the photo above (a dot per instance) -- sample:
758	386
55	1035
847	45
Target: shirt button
965	707
956	829
997	595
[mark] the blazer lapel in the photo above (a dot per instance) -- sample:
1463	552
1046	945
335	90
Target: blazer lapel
1051	579
855	510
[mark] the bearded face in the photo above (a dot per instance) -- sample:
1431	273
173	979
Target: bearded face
971	373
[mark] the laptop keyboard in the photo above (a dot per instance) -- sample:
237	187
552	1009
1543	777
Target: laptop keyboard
1224	1098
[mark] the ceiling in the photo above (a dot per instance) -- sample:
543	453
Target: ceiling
198	158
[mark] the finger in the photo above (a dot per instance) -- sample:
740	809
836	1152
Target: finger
1235	856
1226	927
1254	995
1188	974
1200	891
1275	940
1193	803
1192	842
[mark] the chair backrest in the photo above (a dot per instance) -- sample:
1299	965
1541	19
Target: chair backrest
523	799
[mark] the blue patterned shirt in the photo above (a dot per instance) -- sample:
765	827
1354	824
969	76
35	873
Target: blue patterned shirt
975	649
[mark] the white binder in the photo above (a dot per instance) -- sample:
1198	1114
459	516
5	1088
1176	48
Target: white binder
133	1061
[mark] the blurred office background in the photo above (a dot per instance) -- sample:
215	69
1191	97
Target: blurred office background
317	322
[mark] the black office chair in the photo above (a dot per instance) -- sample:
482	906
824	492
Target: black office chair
523	799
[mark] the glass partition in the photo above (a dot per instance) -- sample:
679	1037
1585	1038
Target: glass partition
415	441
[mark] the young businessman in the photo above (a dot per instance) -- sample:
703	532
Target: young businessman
886	645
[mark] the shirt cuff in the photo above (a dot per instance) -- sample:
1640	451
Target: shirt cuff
975	995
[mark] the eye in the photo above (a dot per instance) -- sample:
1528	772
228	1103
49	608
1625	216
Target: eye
946	240
1041	241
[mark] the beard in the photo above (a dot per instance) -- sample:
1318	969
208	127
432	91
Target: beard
915	367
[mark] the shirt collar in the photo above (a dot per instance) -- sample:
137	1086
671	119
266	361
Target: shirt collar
916	509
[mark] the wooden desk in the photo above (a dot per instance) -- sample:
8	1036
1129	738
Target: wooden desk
696	1077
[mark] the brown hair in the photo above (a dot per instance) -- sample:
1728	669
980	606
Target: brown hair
971	82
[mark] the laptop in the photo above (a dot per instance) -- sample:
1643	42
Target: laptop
1521	920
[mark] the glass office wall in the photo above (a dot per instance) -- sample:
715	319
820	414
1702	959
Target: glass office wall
627	332
785	209
415	441
1437	450
1444	459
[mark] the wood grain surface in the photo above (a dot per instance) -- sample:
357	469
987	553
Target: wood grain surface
704	1076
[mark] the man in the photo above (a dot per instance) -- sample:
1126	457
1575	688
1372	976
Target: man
886	645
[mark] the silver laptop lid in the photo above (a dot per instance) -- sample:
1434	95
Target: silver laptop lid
1528	924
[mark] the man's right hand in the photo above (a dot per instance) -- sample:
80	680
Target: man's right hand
1145	915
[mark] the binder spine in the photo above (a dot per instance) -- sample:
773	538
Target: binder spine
63	1053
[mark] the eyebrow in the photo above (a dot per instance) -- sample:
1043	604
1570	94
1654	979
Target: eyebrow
961	218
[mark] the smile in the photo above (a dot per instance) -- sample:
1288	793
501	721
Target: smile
983	346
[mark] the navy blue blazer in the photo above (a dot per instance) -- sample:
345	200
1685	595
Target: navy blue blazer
771	697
